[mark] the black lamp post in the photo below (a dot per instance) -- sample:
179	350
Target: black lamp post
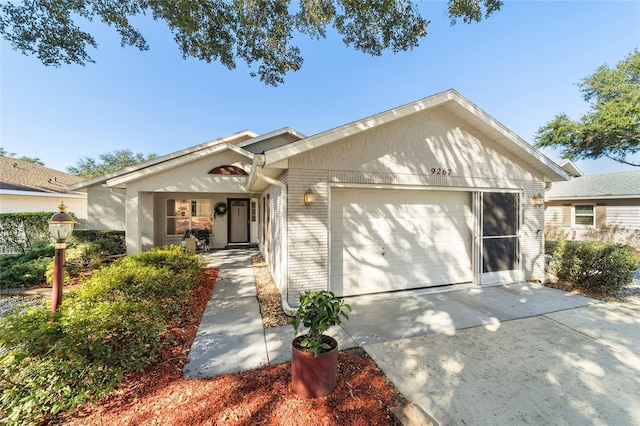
61	226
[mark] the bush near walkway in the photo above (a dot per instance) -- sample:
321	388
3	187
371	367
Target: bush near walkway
595	266
115	323
87	251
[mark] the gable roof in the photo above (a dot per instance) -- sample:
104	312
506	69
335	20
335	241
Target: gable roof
234	138
23	176
453	103
241	142
606	185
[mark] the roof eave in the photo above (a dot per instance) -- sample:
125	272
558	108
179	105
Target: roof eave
121	181
164	158
593	197
546	167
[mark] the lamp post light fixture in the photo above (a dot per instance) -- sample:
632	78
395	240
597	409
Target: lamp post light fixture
309	197
537	200
60	226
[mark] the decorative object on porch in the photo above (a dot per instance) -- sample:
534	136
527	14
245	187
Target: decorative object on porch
315	355
219	209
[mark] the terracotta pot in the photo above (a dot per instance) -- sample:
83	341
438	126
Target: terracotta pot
313	377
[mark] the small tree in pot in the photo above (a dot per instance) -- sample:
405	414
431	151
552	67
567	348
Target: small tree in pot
315	355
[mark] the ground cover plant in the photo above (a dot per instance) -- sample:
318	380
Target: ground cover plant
115	323
160	395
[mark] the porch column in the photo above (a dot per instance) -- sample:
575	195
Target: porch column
133	236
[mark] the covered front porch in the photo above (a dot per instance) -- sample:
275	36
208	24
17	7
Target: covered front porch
230	219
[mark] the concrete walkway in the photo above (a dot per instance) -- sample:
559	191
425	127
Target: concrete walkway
230	337
504	355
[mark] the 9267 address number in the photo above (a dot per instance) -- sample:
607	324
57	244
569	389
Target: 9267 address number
440	171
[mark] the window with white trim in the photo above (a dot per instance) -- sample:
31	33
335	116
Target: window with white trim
184	214
584	215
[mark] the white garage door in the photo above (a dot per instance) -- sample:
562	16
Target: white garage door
391	239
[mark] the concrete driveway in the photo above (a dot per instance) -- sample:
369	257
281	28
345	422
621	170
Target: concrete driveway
575	366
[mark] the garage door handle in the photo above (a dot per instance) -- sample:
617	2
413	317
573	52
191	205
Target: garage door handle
382	251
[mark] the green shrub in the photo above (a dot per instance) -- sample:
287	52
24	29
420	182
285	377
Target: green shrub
28	269
550	247
35	267
114	324
116	238
171	257
604	268
20	231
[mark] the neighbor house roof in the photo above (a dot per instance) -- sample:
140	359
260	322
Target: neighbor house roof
19	176
606	185
453	103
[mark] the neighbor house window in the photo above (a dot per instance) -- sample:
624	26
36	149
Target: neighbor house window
584	215
184	214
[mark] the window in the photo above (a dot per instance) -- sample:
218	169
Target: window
184	214
253	211
584	215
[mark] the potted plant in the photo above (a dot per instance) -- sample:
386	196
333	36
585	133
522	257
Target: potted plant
315	355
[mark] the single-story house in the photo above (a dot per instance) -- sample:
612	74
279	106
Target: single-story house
29	187
600	206
432	193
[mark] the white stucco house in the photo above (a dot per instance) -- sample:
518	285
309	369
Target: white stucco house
432	193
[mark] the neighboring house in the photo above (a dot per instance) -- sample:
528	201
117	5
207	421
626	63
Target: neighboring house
28	187
602	206
432	193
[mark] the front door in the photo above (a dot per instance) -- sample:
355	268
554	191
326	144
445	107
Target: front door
500	237
238	220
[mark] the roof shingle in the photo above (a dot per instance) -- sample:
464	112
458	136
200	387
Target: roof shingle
617	184
20	175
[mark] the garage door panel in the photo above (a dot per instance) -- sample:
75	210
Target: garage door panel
384	240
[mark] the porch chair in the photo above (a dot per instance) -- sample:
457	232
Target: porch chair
202	239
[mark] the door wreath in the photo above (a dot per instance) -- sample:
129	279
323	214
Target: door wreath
219	209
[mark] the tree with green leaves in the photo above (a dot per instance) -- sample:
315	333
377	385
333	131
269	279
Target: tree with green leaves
34	160
110	162
611	128
253	31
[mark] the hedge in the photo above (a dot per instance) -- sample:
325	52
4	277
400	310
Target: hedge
604	268
20	231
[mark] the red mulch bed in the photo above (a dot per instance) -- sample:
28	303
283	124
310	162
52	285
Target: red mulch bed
160	396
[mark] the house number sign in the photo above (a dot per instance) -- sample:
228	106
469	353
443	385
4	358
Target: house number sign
441	171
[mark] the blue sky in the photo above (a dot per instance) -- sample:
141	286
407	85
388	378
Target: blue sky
520	66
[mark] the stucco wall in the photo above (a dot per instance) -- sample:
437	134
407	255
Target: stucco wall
10	203
105	208
194	177
401	154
